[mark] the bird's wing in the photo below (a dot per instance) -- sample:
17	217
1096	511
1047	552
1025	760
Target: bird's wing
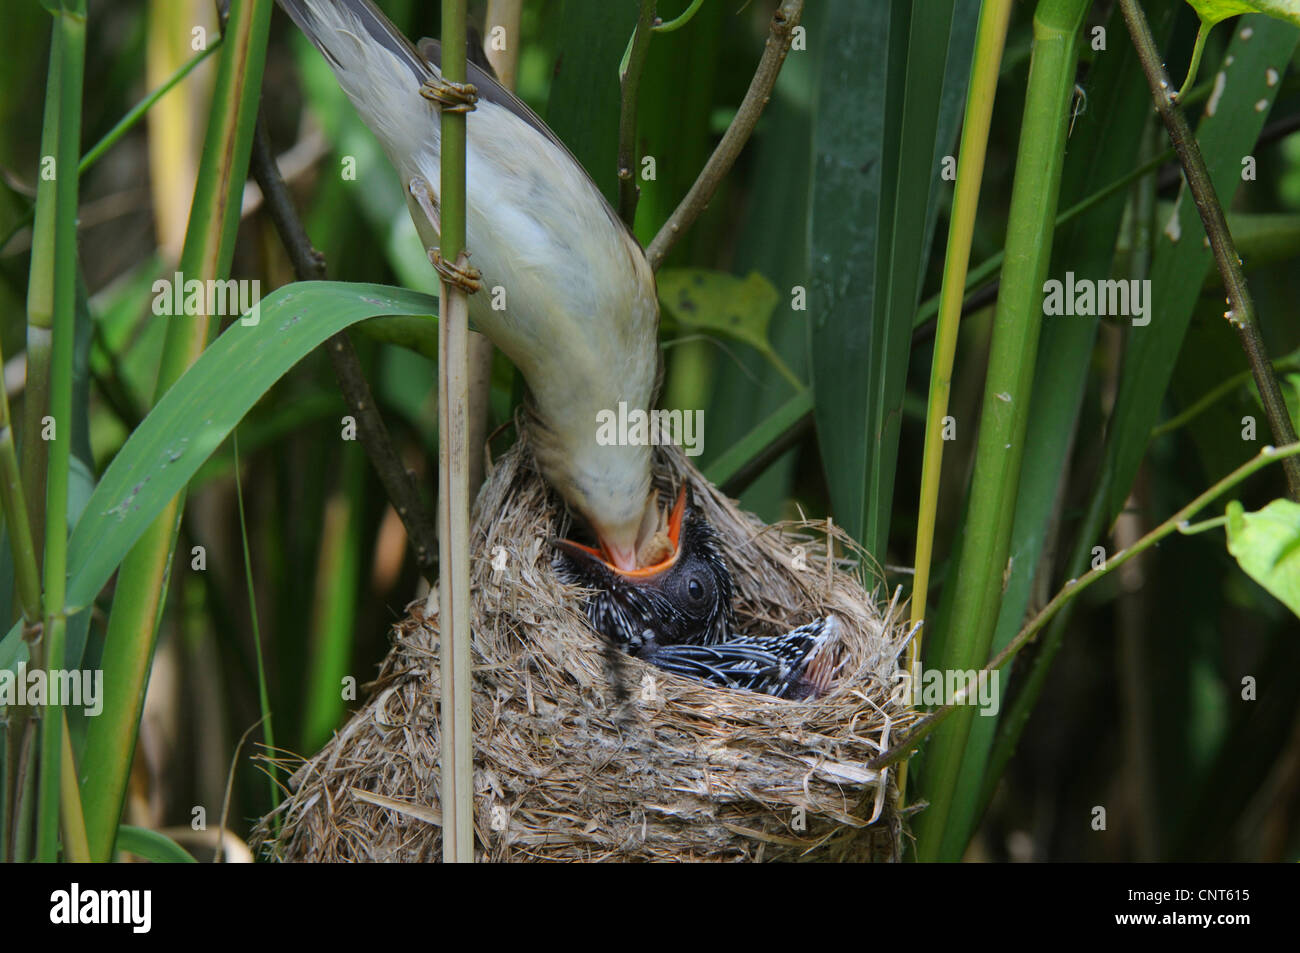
372	20
490	89
730	664
794	664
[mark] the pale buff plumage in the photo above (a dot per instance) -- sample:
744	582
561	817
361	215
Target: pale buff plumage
580	317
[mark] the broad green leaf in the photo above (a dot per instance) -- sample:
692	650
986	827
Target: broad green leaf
1288	10
745	387
1213	11
881	127
674	129
1267	546
715	302
199	411
585	102
13	649
152	846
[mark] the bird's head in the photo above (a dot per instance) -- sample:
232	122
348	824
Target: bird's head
607	486
684	597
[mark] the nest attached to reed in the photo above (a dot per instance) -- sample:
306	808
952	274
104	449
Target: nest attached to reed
578	758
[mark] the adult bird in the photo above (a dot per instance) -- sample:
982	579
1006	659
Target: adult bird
580	317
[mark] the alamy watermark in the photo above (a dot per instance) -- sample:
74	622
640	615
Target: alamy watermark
75	905
1106	298
637	427
37	687
176	296
933	687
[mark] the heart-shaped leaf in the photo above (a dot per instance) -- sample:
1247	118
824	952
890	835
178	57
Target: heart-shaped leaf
714	302
1267	545
1212	11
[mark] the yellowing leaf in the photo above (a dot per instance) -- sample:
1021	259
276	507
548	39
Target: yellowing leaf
714	302
1288	10
1212	11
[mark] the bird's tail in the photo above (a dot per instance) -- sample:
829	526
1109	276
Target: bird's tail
375	65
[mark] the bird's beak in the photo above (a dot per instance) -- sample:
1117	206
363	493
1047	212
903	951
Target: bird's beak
625	564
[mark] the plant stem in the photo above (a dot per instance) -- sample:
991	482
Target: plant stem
40	308
75	846
27	578
1217	393
70	38
629	80
457	789
1202	34
505	14
124	125
27	584
24	789
1176	523
680	21
1009	384
1241	307
263	696
784	20
990	38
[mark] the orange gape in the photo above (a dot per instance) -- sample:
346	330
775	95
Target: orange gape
657	554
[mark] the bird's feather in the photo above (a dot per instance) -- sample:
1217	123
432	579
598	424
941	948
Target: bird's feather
797	664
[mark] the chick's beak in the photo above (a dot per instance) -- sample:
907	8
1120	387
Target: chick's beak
660	552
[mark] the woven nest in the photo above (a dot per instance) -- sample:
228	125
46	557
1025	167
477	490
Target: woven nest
577	758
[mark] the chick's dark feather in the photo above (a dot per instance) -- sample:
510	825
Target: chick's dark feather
689	602
681	620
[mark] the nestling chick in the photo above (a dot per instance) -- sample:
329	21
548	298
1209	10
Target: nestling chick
685	599
798	664
679	617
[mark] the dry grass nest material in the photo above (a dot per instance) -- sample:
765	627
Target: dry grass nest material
564	769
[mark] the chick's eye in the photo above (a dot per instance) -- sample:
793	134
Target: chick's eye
696	591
